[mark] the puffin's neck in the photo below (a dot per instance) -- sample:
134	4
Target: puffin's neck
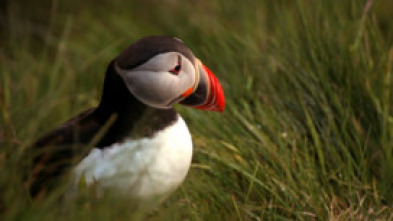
116	98
134	119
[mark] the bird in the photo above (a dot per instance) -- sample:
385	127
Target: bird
133	144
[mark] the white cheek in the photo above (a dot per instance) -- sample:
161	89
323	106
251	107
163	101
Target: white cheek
153	84
159	62
157	89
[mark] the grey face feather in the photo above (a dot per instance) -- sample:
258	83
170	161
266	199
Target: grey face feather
154	85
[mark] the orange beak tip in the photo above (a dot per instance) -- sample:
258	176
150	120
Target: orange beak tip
216	101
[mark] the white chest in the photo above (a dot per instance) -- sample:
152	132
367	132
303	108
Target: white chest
146	169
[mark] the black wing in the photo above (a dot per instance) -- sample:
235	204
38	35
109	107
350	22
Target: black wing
53	155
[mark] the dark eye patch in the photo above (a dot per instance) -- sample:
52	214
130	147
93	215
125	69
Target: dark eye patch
176	70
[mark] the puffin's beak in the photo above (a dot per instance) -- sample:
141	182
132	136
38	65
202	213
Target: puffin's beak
207	94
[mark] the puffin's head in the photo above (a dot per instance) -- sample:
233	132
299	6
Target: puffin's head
161	71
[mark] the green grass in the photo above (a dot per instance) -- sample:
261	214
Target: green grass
308	129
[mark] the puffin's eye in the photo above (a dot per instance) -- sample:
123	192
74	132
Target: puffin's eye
177	68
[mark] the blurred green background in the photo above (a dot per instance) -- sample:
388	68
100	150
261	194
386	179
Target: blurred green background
308	129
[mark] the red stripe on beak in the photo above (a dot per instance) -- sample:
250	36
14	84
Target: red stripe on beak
216	98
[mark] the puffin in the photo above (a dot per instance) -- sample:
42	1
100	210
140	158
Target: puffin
134	144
